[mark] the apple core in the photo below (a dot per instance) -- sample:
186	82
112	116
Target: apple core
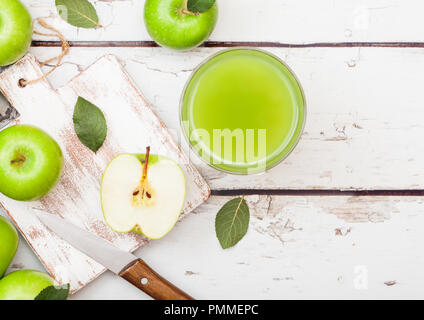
133	201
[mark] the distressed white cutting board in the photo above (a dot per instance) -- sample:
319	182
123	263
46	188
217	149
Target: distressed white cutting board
132	125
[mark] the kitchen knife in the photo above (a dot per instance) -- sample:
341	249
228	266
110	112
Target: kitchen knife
7	112
122	263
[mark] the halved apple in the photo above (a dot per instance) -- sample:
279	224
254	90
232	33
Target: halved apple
142	193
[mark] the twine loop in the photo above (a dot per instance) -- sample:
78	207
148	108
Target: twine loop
65	49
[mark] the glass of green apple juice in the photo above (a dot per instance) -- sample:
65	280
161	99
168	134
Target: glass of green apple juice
242	111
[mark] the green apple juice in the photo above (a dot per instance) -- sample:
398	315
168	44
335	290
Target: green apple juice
243	111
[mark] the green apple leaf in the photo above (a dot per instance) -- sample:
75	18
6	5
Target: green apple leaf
54	293
79	13
200	5
232	222
89	124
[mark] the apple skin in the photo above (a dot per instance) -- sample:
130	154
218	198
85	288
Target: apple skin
38	163
9	240
172	30
15	31
152	160
24	285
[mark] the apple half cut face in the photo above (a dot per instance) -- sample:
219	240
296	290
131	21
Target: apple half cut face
146	204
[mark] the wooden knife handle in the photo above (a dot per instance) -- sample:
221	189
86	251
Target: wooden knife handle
147	280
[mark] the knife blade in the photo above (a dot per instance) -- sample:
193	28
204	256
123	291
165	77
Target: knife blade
122	263
7	112
96	248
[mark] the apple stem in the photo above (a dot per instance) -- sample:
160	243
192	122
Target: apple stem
144	177
19	160
143	188
146	162
183	11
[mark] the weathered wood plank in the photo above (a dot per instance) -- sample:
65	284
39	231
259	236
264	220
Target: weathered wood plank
230	44
363	129
296	247
289	21
77	195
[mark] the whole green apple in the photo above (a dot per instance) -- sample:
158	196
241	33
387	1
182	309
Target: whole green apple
9	241
31	163
24	285
15	31
171	25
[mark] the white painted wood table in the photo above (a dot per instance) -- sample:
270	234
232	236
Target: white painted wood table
343	216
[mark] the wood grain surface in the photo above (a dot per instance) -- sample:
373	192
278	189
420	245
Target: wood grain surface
289	21
362	132
342	217
297	247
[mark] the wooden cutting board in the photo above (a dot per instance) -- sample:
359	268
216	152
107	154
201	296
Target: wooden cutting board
132	125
